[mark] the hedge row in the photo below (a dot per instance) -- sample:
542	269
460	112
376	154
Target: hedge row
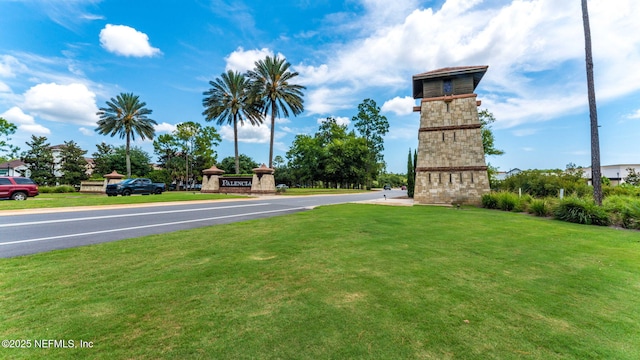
618	210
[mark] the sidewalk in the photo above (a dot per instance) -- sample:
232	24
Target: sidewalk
388	201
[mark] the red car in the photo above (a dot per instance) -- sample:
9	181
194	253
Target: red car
17	188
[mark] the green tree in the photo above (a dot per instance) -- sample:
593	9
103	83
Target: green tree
488	140
39	160
74	165
126	116
271	85
246	166
410	176
228	102
197	147
166	147
6	130
139	160
372	127
282	173
304	157
633	178
333	156
103	160
593	110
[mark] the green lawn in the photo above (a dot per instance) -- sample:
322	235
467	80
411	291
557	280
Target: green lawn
54	200
347	281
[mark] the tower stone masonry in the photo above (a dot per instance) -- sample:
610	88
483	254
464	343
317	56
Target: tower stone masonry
451	167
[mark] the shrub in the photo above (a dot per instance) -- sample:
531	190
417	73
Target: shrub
624	211
581	211
508	201
56	189
490	201
540	207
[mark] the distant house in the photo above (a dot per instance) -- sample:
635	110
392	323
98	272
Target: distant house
501	175
56	151
615	173
13	168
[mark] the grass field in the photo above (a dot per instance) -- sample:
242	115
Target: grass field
347	281
54	200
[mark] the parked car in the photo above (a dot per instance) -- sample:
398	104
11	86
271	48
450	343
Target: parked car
282	187
135	186
387	187
17	188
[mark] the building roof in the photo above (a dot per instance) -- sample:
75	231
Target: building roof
12	164
448	73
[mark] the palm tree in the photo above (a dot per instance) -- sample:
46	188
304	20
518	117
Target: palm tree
271	84
593	111
228	102
126	116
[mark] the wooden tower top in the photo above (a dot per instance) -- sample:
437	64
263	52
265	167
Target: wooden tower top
448	81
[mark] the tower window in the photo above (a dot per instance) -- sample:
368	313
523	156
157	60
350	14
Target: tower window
447	87
443	136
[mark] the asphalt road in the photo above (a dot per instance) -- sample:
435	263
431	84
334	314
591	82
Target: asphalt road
30	233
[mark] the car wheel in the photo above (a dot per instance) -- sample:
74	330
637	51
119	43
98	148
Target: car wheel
126	192
158	191
20	196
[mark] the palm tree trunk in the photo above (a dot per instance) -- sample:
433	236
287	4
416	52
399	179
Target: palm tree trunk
128	155
273	126
235	143
593	111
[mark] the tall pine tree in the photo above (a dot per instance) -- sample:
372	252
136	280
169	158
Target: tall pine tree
74	165
39	160
411	178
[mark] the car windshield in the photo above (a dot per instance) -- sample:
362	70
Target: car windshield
127	181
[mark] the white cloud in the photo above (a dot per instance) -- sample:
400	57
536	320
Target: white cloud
86	132
402	133
340	120
165	127
399	106
126	41
241	60
325	100
26	123
9	66
4	87
249	134
524	132
282	121
519	40
73	103
635	115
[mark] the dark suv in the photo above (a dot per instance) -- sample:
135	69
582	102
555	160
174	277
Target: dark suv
17	188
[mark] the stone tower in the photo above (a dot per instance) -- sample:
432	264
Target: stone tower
451	167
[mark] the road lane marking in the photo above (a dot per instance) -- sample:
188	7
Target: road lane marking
125	215
148	226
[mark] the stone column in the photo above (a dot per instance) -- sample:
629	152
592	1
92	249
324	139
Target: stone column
263	183
210	180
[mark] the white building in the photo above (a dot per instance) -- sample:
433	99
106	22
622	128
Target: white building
615	173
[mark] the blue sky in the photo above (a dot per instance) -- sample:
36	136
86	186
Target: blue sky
60	60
